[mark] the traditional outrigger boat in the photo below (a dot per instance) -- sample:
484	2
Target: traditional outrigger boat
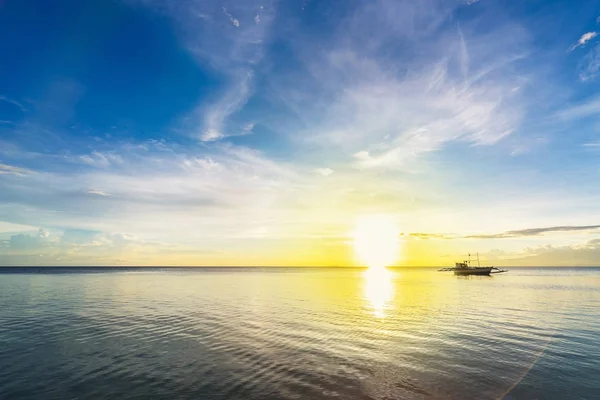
465	268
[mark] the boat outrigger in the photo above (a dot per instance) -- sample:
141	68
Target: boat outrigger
465	268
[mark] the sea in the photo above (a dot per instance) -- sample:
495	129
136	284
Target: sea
298	333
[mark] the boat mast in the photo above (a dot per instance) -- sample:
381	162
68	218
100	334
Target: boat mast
478	265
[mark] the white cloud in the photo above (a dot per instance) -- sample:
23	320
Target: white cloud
234	21
6	169
216	114
586	37
210	135
30	242
98	192
579	255
10	227
362	155
390	110
590	65
590	107
13	102
324	171
232	53
236	54
592	146
399	119
76	247
97	159
248	128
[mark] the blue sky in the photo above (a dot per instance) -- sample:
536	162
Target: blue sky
256	132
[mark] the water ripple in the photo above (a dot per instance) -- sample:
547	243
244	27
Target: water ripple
297	334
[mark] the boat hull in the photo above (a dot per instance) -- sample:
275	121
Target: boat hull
473	271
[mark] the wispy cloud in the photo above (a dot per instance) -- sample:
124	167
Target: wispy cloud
79	247
324	171
97	159
216	114
584	109
12	170
234	21
586	37
233	53
388	112
534	232
183	184
425	236
507	234
8	100
582	254
98	192
589	66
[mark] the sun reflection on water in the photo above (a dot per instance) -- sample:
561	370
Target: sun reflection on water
378	289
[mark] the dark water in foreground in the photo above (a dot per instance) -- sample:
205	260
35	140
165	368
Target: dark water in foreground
298	334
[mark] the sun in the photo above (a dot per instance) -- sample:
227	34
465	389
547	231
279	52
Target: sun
376	241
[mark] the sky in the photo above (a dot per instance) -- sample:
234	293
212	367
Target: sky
258	132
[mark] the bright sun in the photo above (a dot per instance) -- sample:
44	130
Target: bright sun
376	241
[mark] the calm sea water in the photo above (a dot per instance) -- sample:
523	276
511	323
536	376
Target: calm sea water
250	333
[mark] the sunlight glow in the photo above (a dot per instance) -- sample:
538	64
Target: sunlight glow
376	241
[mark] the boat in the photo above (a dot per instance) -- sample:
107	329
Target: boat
465	268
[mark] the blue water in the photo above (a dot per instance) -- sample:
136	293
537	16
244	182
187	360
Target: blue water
250	333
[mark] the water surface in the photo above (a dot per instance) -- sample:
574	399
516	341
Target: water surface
292	333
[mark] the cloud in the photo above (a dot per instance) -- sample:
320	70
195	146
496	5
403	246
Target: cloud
590	65
578	255
362	155
97	159
234	21
425	236
233	99
11	170
75	247
233	54
324	171
98	192
586	37
210	135
184	186
29	242
11	227
198	196
590	107
534	232
507	234
13	102
248	128
388	111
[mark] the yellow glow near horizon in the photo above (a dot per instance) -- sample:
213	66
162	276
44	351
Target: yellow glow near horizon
376	241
